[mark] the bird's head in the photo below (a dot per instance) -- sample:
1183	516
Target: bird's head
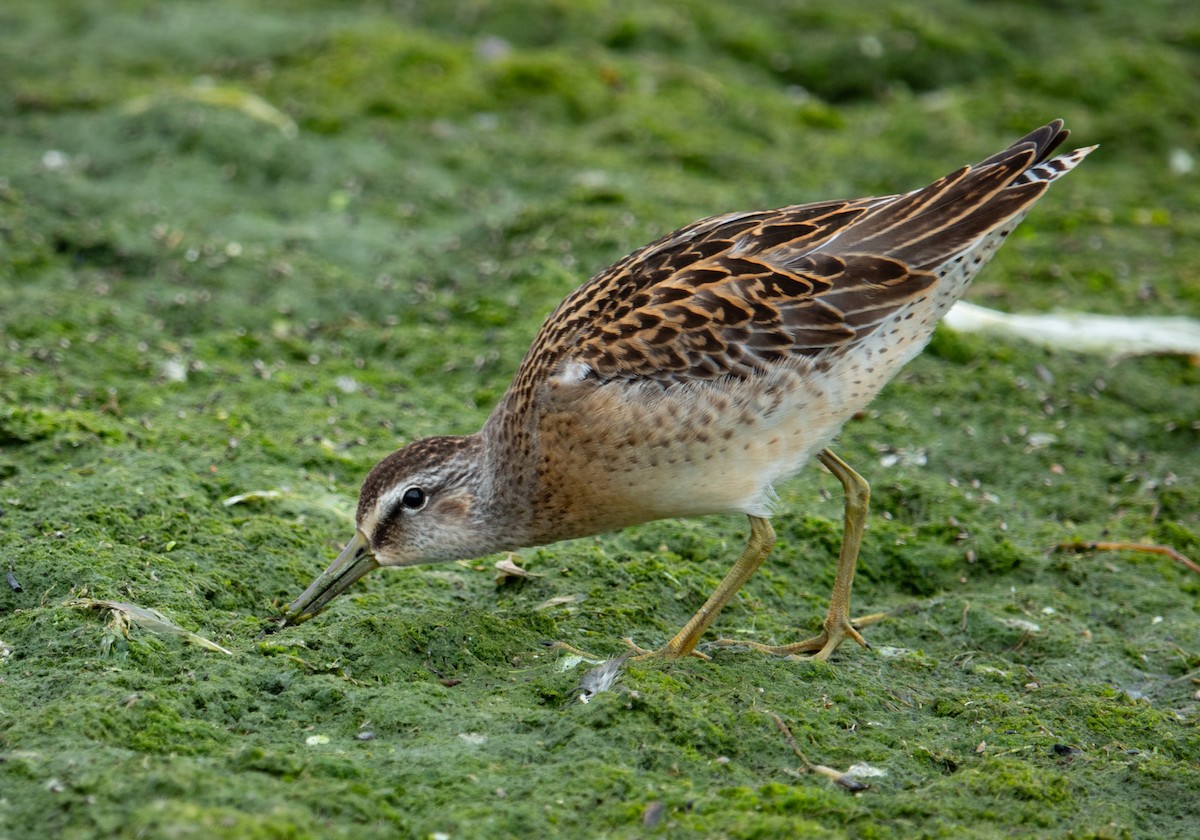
421	504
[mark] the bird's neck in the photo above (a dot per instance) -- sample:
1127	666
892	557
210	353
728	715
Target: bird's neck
508	478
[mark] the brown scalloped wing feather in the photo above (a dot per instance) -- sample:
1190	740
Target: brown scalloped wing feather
732	295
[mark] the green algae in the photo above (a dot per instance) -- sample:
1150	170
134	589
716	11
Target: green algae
197	303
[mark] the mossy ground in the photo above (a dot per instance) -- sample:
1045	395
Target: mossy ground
201	296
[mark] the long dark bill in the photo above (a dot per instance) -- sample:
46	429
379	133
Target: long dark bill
355	561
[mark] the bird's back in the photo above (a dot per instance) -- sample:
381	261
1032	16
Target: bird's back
731	295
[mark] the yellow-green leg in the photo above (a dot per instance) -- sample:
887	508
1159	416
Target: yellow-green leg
838	626
758	546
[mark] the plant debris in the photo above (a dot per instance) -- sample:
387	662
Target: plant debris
1080	546
124	615
507	570
1116	336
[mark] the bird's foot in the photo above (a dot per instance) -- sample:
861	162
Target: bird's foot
666	652
837	629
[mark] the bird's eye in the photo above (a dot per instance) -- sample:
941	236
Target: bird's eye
414	498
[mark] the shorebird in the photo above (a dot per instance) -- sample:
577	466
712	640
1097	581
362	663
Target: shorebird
695	374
